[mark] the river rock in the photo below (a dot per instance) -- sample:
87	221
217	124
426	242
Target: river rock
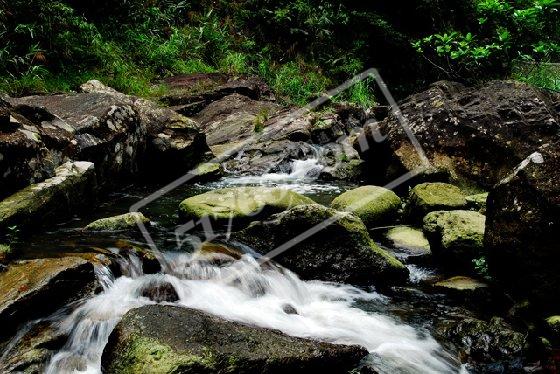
233	119
240	203
482	342
374	205
409	240
125	221
340	250
477	202
159	291
477	134
5	252
522	230
73	186
428	197
167	339
175	143
456	237
33	351
35	288
460	283
189	94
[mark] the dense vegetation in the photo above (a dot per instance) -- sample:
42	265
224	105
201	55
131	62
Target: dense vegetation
301	47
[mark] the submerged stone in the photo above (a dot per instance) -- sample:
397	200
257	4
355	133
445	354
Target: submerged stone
429	197
460	283
240	203
338	248
409	238
121	222
372	204
456	237
168	339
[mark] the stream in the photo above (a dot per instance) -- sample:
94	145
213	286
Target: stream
395	327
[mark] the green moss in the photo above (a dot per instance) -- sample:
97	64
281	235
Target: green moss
240	202
408	237
145	355
121	222
460	283
374	205
456	229
208	168
428	197
477	201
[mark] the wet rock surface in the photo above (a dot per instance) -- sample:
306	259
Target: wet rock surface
127	221
428	197
34	288
489	346
340	249
171	339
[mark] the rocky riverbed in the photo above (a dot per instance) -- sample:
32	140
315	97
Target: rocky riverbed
451	270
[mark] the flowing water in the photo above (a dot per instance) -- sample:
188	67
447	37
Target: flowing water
246	292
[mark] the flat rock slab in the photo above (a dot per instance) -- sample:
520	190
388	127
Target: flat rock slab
169	339
30	289
72	186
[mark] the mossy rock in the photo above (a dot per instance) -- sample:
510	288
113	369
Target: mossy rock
339	249
460	283
5	252
429	197
372	204
170	339
121	222
477	202
408	237
240	203
456	237
553	327
208	170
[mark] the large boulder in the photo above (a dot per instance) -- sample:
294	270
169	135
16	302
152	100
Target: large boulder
338	247
429	197
486	345
456	237
231	120
168	339
93	127
72	186
189	94
374	205
240	204
36	288
175	144
476	134
522	229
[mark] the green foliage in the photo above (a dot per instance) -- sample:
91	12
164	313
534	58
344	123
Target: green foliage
506	30
542	75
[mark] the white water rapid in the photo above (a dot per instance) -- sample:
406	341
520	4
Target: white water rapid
257	296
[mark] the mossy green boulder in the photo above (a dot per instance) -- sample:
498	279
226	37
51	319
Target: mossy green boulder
338	249
162	339
429	197
5	251
460	283
456	237
121	222
372	204
241	203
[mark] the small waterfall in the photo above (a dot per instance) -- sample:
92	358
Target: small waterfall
301	170
246	292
